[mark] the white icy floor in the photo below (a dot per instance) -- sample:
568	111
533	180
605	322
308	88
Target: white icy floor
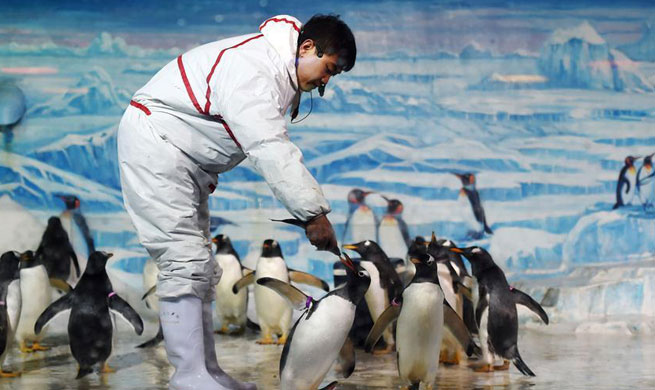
560	362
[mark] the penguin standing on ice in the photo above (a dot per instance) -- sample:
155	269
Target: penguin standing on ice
646	182
56	252
92	304
230	307
496	312
36	295
361	222
320	335
421	312
10	306
78	230
393	234
626	185
385	283
471	206
273	311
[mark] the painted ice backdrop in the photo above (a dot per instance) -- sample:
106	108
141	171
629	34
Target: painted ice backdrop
541	102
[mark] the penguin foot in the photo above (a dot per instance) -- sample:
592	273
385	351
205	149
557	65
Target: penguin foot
26	349
106	369
384	351
38	347
9	374
484	368
265	341
282	340
224	330
503	367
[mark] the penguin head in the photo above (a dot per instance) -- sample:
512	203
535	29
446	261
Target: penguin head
479	258
357	196
223	244
467	179
648	160
9	266
72	202
357	278
27	260
394	206
271	248
630	160
366	249
417	247
97	262
55	232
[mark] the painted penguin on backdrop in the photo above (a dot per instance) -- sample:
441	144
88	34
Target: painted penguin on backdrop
273	311
78	230
421	312
361	223
646	182
92	304
626	185
496	312
10	306
385	283
393	234
320	335
471	207
57	254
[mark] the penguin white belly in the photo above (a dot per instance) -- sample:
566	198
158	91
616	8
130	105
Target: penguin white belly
646	188
466	212
36	294
13	305
316	343
629	196
376	298
391	238
230	307
150	273
76	238
419	332
273	311
487	356
446	282
362	225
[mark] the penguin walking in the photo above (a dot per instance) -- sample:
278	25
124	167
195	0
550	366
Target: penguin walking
10	306
320	335
471	207
646	182
385	283
393	234
36	295
56	252
361	222
421	313
78	230
92	304
626	185
273	311
231	308
496	312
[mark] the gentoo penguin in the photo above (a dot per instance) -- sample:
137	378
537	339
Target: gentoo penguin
646	182
393	234
91	324
496	312
471	206
417	247
56	252
363	322
361	222
230	307
385	282
320	335
78	230
273	312
10	306
421	312
36	295
626	185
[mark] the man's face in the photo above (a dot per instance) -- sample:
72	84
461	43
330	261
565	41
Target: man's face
313	71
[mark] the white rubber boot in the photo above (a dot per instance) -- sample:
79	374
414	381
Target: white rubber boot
181	321
210	354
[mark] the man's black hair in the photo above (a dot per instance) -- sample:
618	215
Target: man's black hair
331	36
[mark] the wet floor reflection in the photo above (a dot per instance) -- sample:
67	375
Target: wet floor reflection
560	362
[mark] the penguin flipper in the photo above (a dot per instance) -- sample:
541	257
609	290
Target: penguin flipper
120	306
61	304
243	282
331	386
76	263
245	271
149	292
308	279
520	364
389	315
524	299
153	341
346	358
60	285
458	328
296	298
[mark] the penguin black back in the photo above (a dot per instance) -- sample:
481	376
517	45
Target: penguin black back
56	251
389	279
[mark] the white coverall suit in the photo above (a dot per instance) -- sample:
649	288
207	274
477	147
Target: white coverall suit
201	115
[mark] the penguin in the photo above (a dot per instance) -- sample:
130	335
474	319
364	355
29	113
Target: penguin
469	199
416	247
363	322
361	222
10	306
320	335
393	234
56	252
230	307
626	183
496	312
78	230
646	182
421	312
273	312
36	295
92	304
385	283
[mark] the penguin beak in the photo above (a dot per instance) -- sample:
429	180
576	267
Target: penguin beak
347	261
456	250
350	246
414	260
215	240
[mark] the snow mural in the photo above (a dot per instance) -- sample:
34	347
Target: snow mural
542	105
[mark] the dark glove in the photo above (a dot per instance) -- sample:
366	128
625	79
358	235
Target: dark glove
320	233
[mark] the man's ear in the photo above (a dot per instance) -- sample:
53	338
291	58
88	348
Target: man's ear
307	46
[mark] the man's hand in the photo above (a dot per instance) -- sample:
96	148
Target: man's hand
320	233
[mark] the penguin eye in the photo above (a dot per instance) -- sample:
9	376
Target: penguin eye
362	274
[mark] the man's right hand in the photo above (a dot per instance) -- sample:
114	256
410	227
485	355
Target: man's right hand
320	233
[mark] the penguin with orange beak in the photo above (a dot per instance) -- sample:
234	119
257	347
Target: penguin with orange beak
626	185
